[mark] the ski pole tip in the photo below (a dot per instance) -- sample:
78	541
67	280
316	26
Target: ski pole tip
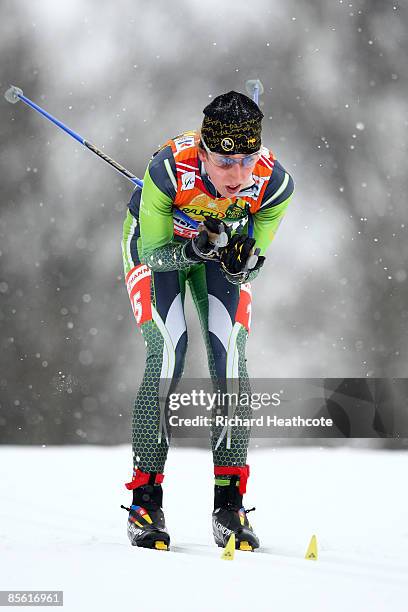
13	93
254	85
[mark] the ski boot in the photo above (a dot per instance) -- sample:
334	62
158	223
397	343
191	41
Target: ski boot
229	514
146	525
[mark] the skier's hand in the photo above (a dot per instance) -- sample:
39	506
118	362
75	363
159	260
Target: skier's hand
212	236
218	232
235	255
239	258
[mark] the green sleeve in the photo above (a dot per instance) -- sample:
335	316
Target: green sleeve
266	223
156	246
155	216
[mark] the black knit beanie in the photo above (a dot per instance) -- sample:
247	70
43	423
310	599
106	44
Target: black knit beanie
232	124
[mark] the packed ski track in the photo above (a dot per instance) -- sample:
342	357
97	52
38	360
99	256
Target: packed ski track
61	528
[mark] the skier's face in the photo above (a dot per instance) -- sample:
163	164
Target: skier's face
228	181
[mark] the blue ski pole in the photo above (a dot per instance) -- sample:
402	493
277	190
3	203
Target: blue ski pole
14	94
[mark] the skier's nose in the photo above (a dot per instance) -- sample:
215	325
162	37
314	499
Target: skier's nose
235	174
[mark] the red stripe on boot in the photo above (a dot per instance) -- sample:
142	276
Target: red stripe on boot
142	478
232	470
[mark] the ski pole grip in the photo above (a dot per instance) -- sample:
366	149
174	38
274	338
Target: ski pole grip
252	260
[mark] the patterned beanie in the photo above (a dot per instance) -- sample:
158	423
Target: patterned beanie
232	124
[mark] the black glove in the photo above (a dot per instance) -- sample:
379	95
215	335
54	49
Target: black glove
238	259
212	236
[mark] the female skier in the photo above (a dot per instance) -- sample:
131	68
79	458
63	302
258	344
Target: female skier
223	177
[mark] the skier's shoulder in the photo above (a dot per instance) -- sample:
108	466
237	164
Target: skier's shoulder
162	165
280	185
162	170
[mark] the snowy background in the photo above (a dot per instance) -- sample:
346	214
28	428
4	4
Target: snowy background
62	528
129	75
331	301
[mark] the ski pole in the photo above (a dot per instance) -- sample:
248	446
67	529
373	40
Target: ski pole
14	94
254	89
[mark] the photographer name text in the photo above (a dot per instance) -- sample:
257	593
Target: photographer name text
260	421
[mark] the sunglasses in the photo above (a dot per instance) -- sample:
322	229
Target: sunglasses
226	161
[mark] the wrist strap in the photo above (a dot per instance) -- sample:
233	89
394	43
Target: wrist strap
209	256
237	277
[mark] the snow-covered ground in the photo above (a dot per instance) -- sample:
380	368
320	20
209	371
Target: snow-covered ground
61	528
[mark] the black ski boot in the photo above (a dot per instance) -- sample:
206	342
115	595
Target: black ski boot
146	525
229	515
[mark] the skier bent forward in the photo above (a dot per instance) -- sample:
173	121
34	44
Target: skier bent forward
223	177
